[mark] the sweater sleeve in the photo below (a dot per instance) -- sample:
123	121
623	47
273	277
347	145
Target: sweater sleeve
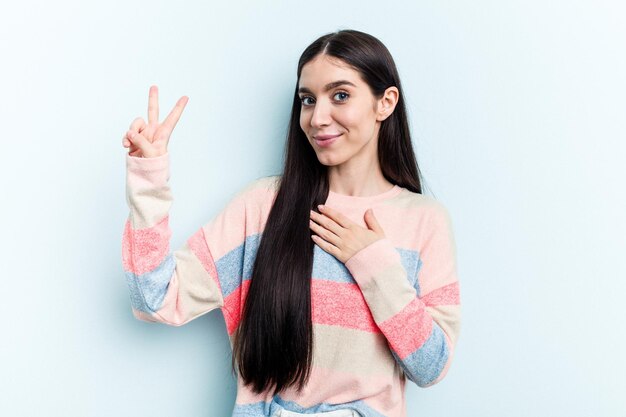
173	287
421	329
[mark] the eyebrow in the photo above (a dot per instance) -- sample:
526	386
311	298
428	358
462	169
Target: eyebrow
328	86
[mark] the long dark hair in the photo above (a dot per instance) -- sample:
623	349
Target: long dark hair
273	343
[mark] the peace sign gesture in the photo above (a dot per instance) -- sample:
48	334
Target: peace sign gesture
150	140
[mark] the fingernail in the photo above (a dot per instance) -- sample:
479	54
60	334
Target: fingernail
132	135
320	207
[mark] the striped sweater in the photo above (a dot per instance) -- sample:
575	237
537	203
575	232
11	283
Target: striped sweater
390	313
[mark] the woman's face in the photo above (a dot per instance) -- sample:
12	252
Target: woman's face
336	101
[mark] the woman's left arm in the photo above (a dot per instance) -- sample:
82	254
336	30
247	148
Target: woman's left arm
421	329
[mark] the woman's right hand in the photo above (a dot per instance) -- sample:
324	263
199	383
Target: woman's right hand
150	140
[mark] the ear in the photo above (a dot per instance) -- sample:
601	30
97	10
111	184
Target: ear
387	103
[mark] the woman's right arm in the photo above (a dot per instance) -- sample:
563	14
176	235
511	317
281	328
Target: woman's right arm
171	288
212	269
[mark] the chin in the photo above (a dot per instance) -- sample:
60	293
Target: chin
329	160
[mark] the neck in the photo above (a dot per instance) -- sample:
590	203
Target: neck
358	179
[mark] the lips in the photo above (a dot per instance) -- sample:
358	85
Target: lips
326	142
326	137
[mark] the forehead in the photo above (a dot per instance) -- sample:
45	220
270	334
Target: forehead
323	70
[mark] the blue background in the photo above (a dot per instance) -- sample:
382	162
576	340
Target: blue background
517	113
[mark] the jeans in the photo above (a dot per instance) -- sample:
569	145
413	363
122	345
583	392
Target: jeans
334	413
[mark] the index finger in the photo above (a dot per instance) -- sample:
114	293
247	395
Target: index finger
153	105
170	121
335	215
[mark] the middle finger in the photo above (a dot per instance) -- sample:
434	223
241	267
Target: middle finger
325	234
327	223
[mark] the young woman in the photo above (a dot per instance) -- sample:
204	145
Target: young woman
338	278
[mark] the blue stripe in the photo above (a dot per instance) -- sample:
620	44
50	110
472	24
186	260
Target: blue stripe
327	267
425	364
147	291
252	410
412	264
236	265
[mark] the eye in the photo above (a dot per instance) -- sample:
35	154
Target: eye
344	93
305	103
302	100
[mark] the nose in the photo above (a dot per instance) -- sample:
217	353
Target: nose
321	115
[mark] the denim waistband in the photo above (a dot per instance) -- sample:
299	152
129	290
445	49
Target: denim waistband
334	413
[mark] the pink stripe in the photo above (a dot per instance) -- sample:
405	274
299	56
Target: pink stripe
341	304
408	329
144	249
151	170
338	304
383	393
245	395
373	260
197	244
230	228
446	295
233	306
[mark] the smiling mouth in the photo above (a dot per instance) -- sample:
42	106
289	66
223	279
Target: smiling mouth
325	137
326	142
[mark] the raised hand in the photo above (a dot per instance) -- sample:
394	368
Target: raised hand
150	140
